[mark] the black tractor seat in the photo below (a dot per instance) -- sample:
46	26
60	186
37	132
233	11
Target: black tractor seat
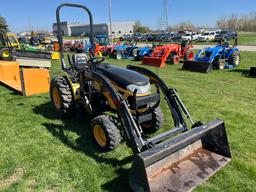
122	76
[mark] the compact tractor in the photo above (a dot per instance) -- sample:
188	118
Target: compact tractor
124	105
144	51
124	51
6	48
169	54
218	57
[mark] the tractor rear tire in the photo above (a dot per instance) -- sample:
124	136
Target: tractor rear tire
105	133
155	123
61	96
189	55
234	59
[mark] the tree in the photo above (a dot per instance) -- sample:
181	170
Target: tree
186	25
3	25
181	26
143	29
139	28
241	23
222	23
137	25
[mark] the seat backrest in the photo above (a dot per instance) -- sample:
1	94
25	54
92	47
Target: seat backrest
226	44
80	61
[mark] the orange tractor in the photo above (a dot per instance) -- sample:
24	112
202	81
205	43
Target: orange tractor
170	54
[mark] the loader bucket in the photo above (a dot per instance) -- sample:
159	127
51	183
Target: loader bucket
252	72
197	66
155	62
10	74
182	162
26	80
33	54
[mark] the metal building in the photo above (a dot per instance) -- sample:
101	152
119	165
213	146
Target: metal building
76	29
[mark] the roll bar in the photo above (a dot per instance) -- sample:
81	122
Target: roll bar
59	35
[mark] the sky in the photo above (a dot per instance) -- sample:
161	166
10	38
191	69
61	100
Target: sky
24	15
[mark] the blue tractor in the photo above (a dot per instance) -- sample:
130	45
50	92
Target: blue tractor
144	51
102	40
124	52
219	57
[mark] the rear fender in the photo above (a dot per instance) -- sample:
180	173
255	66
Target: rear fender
214	57
74	86
231	52
186	49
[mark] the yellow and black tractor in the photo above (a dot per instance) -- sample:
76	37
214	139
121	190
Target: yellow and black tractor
6	48
123	104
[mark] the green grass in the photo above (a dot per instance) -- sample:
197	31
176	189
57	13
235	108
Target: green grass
39	152
247	39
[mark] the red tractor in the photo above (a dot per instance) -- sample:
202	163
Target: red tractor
169	54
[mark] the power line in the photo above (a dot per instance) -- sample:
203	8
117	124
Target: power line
164	17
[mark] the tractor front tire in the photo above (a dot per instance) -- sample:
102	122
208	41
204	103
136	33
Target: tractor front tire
135	53
155	123
173	58
219	63
189	55
105	133
105	53
61	96
6	55
234	59
118	55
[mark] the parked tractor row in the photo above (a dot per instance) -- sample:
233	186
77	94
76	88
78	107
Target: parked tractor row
218	57
210	35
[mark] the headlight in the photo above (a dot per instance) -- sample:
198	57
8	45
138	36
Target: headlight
140	89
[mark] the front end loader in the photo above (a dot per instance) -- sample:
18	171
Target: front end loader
122	106
169	54
252	72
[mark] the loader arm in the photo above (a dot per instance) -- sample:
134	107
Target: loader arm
171	96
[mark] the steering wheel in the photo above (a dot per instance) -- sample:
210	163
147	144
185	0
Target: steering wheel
95	60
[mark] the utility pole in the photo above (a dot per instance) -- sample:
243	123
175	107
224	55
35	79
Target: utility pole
110	18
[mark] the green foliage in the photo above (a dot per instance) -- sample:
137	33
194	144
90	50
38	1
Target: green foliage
138	28
59	155
3	25
238	23
143	29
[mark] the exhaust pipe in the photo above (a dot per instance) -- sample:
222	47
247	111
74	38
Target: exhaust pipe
197	66
182	162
